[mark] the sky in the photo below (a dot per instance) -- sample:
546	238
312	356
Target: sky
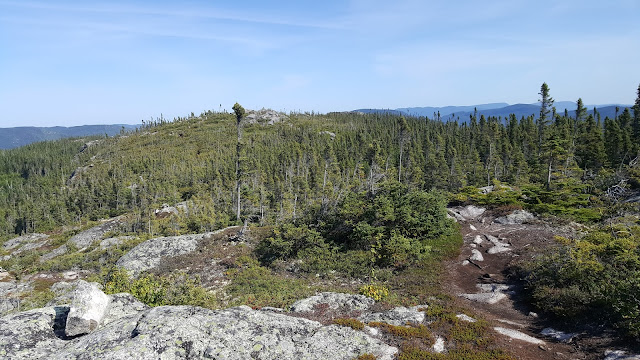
70	63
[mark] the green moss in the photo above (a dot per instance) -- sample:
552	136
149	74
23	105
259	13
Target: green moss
348	322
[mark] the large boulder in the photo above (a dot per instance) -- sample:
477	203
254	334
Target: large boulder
469	212
334	301
87	309
148	254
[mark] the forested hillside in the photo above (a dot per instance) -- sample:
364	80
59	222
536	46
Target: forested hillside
304	165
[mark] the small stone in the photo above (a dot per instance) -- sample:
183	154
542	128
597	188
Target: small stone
465	317
476	255
438	346
518	335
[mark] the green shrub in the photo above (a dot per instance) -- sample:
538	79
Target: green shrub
256	286
595	278
375	291
174	289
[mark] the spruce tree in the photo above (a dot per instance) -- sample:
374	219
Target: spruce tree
636	122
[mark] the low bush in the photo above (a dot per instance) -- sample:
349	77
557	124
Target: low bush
348	322
375	291
174	289
256	286
596	278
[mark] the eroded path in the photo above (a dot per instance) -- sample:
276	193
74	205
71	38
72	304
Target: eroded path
478	278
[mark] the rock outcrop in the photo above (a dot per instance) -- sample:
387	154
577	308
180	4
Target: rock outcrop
130	330
334	301
469	212
516	217
148	254
399	316
87	237
26	242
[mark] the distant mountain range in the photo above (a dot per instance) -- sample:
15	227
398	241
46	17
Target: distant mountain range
462	113
19	136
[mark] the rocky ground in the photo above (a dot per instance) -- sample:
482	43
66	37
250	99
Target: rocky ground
482	278
81	322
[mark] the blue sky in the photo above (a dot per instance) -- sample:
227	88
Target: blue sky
97	62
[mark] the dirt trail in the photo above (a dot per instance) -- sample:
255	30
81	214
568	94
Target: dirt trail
478	278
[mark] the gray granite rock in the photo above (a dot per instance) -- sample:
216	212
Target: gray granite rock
122	305
87	237
178	332
8	304
516	217
31	334
114	241
335	301
24	240
399	316
87	309
148	254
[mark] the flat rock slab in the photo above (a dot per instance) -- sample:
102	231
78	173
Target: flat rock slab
493	287
148	254
87	237
469	212
465	317
335	301
25	239
516	217
498	249
558	335
114	241
489	298
30	334
399	316
236	333
518	335
619	355
61	250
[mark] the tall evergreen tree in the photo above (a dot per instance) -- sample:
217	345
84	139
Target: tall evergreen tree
239	111
636	122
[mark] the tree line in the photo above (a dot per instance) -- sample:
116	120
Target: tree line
228	170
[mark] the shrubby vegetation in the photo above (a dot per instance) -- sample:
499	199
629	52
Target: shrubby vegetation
595	278
393	227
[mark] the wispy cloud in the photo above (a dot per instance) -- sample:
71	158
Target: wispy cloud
177	12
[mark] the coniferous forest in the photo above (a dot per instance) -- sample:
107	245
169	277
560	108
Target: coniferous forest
343	195
233	170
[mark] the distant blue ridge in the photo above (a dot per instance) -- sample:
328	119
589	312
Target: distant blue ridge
24	135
